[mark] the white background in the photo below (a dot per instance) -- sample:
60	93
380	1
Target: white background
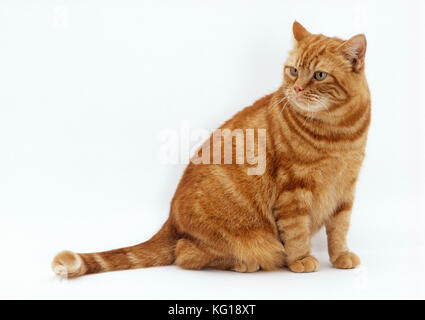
87	87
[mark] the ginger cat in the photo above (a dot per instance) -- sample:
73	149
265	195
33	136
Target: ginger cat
221	217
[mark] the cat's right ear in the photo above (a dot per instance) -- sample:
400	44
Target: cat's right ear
355	50
299	31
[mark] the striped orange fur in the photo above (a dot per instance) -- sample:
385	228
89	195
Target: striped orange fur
220	217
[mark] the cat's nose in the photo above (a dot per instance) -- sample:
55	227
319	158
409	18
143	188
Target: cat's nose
298	89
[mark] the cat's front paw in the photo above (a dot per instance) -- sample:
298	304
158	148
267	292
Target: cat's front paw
347	260
307	264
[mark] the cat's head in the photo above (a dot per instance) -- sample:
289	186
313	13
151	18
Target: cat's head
322	72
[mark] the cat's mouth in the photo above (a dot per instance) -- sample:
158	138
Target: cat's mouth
306	101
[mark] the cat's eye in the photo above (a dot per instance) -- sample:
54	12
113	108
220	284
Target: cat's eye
320	75
293	72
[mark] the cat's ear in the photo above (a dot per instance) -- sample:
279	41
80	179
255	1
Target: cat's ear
299	31
355	51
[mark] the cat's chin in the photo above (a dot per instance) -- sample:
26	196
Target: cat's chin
307	107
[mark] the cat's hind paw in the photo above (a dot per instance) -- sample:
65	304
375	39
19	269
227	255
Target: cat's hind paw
246	267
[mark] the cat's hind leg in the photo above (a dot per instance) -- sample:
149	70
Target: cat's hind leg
194	255
235	265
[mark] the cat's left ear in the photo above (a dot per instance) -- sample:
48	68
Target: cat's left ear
355	51
299	31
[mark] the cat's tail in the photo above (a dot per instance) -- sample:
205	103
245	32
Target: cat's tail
158	251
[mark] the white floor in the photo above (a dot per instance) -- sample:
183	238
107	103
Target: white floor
392	266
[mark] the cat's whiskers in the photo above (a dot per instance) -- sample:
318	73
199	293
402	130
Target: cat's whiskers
283	107
276	103
325	106
316	99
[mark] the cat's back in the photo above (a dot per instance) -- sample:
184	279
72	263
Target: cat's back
225	190
251	117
